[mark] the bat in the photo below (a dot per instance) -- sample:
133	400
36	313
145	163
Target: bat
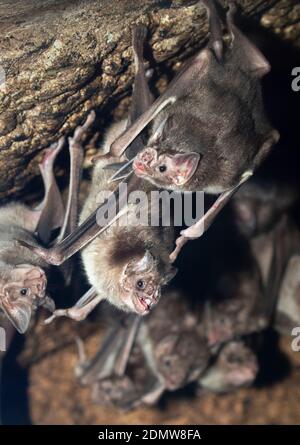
237	307
125	391
259	204
165	352
23	273
235	366
23	277
126	264
89	229
209	128
105	372
261	211
245	300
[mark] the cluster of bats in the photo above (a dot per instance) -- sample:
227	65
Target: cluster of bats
208	131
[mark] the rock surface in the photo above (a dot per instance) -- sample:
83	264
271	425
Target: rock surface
61	58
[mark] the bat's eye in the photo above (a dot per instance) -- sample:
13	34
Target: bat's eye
162	168
140	284
23	291
167	362
231	358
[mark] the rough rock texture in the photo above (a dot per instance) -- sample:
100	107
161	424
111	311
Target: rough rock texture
63	57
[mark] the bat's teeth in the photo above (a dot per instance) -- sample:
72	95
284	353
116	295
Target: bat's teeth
148	301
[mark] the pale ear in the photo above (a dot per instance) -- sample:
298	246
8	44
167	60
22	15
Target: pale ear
185	165
170	275
145	264
166	344
18	313
158	132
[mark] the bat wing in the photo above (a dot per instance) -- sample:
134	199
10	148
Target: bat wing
52	208
195	68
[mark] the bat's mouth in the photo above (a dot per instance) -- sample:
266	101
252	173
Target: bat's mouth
144	303
243	376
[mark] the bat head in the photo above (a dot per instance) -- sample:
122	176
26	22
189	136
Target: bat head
171	170
141	283
22	289
118	391
238	363
180	359
223	321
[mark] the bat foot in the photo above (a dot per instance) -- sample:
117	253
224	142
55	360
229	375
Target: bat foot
180	242
56	314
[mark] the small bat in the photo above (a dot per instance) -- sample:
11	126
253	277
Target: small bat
235	366
23	278
127	264
125	391
260	203
171	352
237	309
287	310
210	130
23	273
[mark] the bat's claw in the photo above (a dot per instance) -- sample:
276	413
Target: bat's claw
56	314
180	242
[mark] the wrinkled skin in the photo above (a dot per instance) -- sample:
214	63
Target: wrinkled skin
115	391
180	358
141	284
235	367
169	171
22	290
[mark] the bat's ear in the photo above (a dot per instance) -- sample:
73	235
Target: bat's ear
185	165
18	313
258	64
170	275
145	264
159	131
166	344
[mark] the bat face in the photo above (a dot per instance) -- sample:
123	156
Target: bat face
253	215
169	170
223	321
118	391
141	284
239	364
22	290
180	359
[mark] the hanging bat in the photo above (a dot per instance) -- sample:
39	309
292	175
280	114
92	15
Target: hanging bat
209	129
127	264
23	273
260	203
23	278
287	310
237	308
170	352
105	372
125	391
235	366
